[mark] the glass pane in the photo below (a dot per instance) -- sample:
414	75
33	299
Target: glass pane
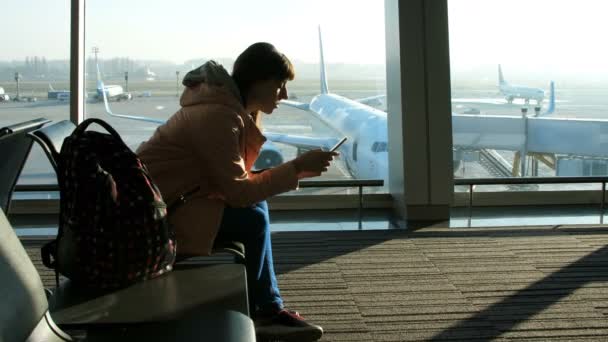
34	68
529	94
144	49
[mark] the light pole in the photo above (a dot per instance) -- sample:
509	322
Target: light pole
534	159
177	84
95	51
17	78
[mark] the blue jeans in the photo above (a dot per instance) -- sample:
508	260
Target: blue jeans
251	226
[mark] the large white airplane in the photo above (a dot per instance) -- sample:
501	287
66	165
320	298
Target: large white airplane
3	96
365	153
511	91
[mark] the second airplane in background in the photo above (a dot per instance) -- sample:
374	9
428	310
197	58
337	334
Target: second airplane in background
110	92
512	92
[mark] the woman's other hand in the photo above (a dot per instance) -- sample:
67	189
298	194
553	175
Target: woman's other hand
313	163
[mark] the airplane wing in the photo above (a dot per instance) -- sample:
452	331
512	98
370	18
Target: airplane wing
307	143
125	116
370	101
295	104
303	142
375	100
487	101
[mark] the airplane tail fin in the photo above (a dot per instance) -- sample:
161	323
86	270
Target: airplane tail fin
501	79
100	91
551	107
99	82
324	88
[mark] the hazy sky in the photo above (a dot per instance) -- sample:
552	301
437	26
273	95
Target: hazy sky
353	30
545	35
521	34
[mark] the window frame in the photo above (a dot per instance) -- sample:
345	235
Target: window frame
77	115
434	19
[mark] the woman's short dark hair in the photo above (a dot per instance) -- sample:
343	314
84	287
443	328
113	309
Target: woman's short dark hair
260	62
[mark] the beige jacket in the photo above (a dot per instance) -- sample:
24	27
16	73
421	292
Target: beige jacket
212	143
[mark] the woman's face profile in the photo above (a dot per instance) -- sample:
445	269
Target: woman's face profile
268	93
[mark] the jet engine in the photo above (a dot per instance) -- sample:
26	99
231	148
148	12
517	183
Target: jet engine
270	156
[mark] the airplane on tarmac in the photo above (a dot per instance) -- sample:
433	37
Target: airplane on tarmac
511	92
549	139
110	92
61	95
365	153
3	96
150	75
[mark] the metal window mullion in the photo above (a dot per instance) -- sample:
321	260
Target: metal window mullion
602	204
77	61
360	211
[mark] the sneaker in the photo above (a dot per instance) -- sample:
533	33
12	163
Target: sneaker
286	326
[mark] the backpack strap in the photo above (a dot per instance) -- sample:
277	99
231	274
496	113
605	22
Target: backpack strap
48	253
181	200
85	124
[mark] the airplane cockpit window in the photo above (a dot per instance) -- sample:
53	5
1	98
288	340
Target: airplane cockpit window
380	146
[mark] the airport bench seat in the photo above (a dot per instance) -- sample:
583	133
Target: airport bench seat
189	304
15	147
201	288
196	287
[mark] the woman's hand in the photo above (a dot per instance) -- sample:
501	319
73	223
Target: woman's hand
313	163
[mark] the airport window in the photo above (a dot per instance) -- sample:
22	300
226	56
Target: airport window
529	94
141	65
34	70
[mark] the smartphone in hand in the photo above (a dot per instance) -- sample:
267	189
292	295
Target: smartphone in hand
336	146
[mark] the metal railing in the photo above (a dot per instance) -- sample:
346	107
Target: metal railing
36	187
337	183
345	183
471	182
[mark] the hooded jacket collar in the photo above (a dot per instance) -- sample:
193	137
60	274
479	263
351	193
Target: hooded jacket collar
210	84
